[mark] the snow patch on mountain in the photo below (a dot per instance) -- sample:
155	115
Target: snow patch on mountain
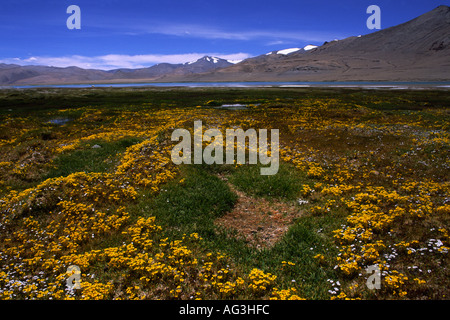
309	47
213	59
288	51
292	50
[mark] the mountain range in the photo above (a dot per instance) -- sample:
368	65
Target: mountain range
12	74
418	50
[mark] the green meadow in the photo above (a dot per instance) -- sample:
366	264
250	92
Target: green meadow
86	179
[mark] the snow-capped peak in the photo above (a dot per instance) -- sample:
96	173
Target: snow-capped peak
205	58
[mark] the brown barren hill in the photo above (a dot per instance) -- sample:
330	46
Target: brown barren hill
418	50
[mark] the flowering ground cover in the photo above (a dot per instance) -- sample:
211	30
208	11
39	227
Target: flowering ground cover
86	179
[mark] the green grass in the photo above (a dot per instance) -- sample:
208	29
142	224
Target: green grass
88	159
193	205
306	238
286	184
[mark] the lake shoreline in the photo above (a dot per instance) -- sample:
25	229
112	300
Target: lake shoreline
344	84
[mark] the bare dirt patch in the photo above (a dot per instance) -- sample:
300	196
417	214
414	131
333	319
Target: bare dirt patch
259	221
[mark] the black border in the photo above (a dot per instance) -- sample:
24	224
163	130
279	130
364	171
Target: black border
151	309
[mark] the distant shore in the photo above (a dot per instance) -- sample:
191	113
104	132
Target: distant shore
337	84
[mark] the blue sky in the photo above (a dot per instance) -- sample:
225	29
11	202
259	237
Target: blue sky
139	33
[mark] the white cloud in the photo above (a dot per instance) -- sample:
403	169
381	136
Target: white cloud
277	43
116	61
208	32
